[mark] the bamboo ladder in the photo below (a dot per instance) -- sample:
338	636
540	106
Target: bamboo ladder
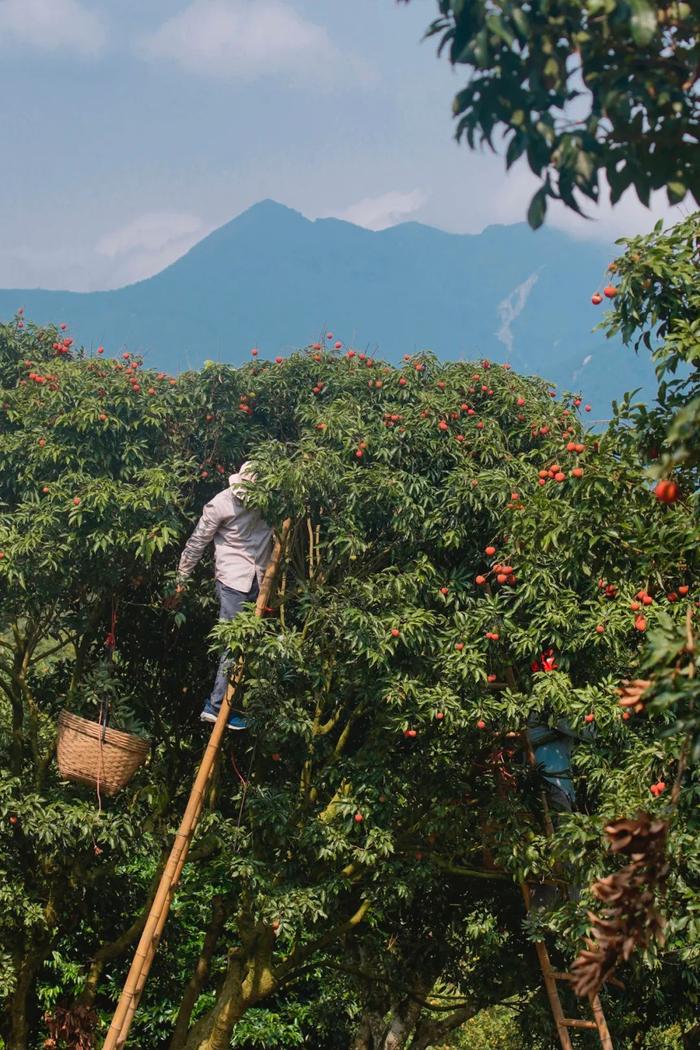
550	976
158	914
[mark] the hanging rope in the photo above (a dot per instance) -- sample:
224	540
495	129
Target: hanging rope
245	781
240	776
111	639
110	644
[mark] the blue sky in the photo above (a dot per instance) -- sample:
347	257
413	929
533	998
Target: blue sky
137	126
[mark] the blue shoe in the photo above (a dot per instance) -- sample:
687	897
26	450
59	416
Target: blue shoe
234	722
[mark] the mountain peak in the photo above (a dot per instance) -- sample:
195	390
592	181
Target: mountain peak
262	223
268	208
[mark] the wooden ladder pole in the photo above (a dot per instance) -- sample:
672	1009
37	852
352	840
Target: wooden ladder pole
601	1024
157	916
553	995
550	982
550	977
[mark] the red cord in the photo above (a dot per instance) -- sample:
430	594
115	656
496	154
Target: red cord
111	639
240	776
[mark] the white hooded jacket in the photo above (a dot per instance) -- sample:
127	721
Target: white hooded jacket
242	540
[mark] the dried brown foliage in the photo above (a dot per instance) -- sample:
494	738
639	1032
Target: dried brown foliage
71	1029
631	693
630	919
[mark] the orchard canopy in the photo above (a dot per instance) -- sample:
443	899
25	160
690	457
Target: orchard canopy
451	523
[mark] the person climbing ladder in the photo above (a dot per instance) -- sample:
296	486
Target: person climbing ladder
242	549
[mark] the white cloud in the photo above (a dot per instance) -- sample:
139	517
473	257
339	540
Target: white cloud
150	232
504	198
377	213
149	243
240	39
52	25
137	250
586	361
606	223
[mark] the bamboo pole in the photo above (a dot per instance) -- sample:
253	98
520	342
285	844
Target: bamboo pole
155	923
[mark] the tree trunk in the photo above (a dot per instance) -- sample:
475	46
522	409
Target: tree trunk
18	1016
430	1031
17	738
370	1031
405	1017
113	949
213	1030
106	954
199	976
248	981
363	1036
691	1039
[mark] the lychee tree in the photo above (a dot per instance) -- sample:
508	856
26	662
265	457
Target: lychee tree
387	692
97	472
594	93
588	579
656	309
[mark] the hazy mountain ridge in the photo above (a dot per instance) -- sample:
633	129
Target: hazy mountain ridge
274	279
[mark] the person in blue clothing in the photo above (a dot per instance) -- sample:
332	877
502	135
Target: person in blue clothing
552	747
242	549
552	744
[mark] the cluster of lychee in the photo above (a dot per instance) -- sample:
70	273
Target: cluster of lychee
62	347
610	291
502	573
37	377
131	374
245	405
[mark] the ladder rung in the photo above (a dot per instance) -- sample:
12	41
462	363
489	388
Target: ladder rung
573	1022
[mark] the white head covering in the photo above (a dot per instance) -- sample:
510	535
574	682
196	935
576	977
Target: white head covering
246	473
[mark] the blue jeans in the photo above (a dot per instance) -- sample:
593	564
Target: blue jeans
231	602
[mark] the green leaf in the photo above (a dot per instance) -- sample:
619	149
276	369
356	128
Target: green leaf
619	181
643	22
520	21
538	209
497	26
676	191
515	149
480	49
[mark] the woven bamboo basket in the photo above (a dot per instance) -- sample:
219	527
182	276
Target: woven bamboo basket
85	757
